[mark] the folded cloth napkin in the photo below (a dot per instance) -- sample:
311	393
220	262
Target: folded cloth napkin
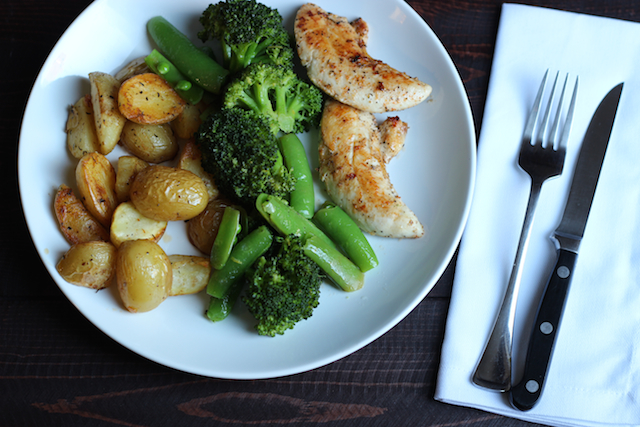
594	376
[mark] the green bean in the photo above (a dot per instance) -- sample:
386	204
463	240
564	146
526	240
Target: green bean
243	255
295	159
227	237
191	61
345	232
287	220
164	68
338	267
219	308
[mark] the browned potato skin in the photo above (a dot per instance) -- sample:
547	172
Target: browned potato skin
127	168
129	224
190	274
168	194
108	119
89	264
76	223
203	229
191	160
151	143
96	181
81	129
143	275
149	99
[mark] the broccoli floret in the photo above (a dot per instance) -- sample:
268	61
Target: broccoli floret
291	104
248	32
283	287
241	153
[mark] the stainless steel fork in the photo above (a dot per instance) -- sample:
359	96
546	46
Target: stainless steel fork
542	159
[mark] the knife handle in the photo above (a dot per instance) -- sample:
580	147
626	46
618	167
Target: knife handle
525	394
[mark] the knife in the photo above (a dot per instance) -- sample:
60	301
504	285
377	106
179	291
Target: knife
567	237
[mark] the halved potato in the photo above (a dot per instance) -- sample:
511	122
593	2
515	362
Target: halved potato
190	274
191	160
127	168
203	229
149	99
108	119
136	66
81	128
168	194
76	223
188	122
96	181
143	275
151	143
129	224
89	264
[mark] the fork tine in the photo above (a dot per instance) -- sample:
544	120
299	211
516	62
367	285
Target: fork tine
568	121
556	122
545	119
529	127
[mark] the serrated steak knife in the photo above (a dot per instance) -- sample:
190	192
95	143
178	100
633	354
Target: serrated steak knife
567	236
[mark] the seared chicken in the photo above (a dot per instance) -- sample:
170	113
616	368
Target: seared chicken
354	171
335	56
392	135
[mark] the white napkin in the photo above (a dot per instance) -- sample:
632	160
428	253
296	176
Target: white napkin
594	377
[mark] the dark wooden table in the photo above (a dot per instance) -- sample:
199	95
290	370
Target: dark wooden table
57	369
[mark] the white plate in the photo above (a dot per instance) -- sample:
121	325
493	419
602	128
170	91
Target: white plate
434	175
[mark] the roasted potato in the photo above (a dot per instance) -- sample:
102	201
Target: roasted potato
143	275
89	264
75	221
108	119
148	99
129	224
191	160
188	122
136	66
203	229
81	128
164	193
190	274
127	168
151	143
96	181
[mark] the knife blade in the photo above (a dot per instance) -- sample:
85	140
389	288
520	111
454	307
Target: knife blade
567	237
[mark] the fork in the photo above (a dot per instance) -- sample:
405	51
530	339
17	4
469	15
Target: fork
541	161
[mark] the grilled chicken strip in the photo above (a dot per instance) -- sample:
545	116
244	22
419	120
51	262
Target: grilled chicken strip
353	169
335	56
392	135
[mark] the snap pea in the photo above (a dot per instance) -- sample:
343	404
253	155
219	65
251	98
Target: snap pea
164	68
243	255
345	232
338	267
295	159
287	220
225	239
191	61
219	308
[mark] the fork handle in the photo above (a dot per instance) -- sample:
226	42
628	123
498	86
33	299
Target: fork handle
526	393
494	369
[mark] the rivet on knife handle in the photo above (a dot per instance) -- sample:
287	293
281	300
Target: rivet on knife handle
525	394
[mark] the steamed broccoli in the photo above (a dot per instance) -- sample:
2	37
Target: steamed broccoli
292	105
242	154
248	32
284	287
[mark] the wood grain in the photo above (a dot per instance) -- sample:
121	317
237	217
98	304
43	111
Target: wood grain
57	369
